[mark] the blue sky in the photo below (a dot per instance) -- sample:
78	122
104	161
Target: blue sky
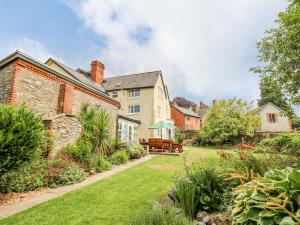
204	48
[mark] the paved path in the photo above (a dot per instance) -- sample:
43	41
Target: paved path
9	210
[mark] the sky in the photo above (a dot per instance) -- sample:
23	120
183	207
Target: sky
203	48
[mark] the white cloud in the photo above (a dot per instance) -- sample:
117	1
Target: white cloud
28	46
204	48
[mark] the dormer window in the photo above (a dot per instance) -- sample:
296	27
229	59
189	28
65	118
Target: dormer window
134	93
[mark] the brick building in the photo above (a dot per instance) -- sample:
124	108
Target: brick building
184	118
55	92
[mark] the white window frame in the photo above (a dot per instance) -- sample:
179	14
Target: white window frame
134	93
132	109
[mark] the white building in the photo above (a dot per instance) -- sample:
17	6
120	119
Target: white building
272	119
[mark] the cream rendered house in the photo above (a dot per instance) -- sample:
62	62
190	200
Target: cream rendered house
144	97
273	120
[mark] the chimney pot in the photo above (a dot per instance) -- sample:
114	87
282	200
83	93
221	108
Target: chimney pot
97	71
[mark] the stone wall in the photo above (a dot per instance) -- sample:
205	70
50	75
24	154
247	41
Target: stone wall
38	93
80	98
66	129
5	79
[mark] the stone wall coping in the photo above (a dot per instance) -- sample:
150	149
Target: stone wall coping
60	115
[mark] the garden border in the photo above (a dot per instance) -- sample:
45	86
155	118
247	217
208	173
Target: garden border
11	209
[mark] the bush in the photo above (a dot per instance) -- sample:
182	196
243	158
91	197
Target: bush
102	165
136	151
284	143
81	151
161	215
63	172
199	190
28	177
244	161
40	174
21	133
118	158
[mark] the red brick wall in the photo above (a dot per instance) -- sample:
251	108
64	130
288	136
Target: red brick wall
178	118
193	123
65	100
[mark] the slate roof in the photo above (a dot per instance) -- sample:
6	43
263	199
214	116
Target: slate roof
77	75
139	80
186	111
74	76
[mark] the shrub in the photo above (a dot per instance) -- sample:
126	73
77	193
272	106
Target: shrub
80	151
21	133
246	161
199	190
161	215
102	165
118	158
40	174
63	172
96	124
116	145
136	151
28	177
185	195
272	200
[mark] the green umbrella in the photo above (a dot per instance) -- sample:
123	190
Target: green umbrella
161	125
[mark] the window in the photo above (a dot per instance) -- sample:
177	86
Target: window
114	94
133	109
272	117
120	131
158	111
188	118
160	92
134	93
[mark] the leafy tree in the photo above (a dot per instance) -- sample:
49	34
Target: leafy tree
279	52
270	91
229	121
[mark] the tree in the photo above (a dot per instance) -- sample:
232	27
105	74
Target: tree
183	102
229	120
270	91
279	52
96	125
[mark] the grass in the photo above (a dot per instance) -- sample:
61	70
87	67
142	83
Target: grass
116	199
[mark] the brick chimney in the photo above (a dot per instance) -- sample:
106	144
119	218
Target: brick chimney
97	71
194	107
201	105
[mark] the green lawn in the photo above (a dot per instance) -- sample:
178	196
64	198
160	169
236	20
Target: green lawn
116	199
